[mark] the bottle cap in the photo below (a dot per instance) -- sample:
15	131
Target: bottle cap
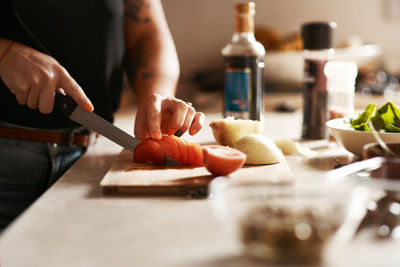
244	17
245	8
318	35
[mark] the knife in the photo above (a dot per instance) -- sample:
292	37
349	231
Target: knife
341	173
96	123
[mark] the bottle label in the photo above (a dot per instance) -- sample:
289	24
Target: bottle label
237	89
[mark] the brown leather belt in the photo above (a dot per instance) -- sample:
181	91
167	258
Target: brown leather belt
71	138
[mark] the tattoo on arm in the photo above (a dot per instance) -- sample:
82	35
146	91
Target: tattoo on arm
136	66
135	12
133	9
147	75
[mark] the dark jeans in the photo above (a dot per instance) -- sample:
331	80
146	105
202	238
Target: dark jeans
27	169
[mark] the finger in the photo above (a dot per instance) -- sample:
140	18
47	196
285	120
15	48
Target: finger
61	91
141	132
197	123
178	108
22	96
33	98
154	118
166	118
71	88
46	99
188	120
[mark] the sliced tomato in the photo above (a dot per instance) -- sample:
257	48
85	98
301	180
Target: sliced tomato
149	151
222	160
183	148
197	158
194	154
152	151
170	147
189	152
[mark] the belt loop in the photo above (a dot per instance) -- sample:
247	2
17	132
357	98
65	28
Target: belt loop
71	137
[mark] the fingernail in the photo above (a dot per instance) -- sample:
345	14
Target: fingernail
178	133
192	131
171	131
89	107
157	135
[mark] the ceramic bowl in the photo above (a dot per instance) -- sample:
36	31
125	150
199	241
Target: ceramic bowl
353	140
285	69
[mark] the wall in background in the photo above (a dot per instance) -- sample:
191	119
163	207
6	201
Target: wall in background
202	27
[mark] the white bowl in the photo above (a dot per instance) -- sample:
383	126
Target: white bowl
353	140
287	68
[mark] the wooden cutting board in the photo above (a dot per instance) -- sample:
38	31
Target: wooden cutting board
128	178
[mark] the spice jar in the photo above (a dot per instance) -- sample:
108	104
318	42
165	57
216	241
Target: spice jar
341	86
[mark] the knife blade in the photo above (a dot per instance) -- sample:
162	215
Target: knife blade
94	122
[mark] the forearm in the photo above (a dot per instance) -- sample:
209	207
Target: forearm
151	59
152	71
153	67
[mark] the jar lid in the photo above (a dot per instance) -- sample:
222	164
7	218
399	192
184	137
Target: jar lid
318	35
341	69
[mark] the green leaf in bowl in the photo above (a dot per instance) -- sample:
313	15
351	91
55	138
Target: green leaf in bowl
385	119
361	123
390	115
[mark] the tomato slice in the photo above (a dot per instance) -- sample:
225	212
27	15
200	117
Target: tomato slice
152	151
222	160
170	147
197	158
189	152
166	146
149	151
183	148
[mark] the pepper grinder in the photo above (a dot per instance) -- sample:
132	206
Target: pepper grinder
318	41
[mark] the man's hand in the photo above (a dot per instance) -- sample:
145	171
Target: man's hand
166	115
34	77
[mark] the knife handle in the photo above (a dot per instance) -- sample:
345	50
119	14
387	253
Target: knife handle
65	103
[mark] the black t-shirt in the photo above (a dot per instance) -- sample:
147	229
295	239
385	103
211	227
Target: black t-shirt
84	36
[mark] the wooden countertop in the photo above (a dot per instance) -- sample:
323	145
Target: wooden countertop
73	224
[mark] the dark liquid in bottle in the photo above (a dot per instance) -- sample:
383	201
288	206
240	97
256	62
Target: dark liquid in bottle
315	100
243	87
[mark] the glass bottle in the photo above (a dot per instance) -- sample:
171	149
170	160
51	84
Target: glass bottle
243	66
318	41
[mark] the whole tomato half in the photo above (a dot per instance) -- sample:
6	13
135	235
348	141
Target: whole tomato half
222	160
